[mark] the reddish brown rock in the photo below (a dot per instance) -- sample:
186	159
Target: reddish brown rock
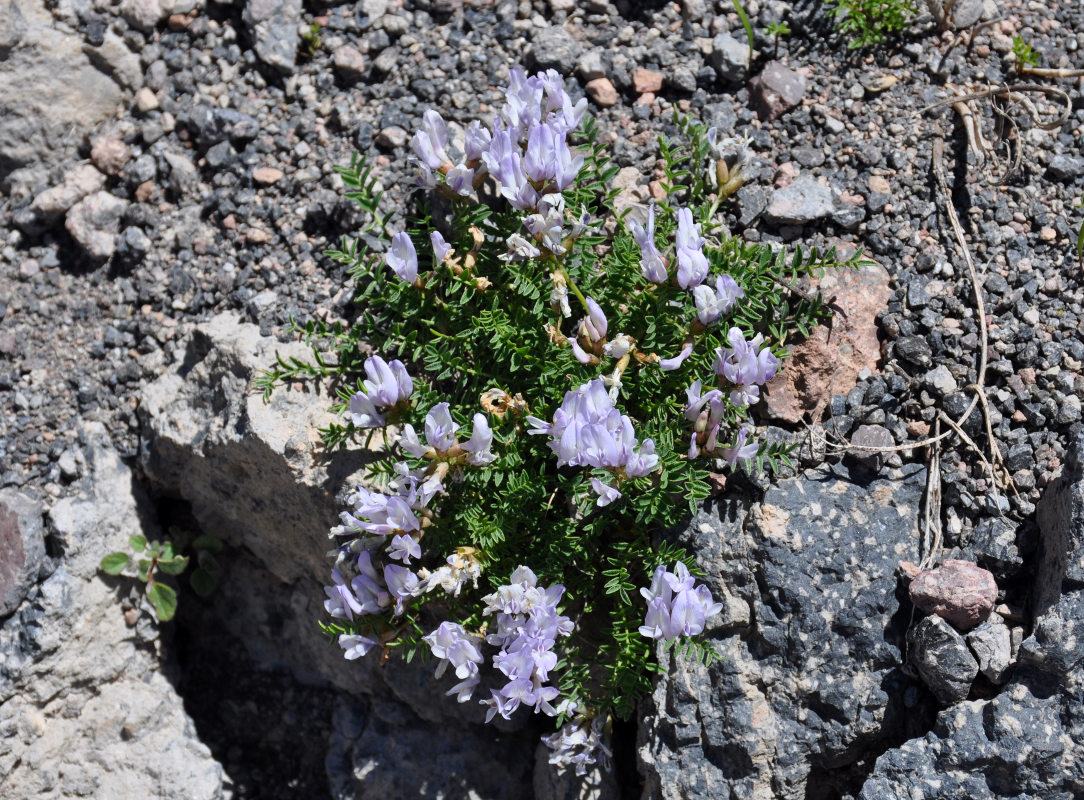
828	362
960	592
645	80
776	90
602	92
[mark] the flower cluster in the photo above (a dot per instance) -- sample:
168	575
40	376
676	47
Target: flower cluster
675	605
528	626
588	431
580	743
746	365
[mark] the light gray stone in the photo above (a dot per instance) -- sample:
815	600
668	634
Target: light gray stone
729	57
50	205
84	710
804	201
94	222
142	14
273	26
554	48
51	94
991	644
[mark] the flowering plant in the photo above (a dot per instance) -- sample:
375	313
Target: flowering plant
552	383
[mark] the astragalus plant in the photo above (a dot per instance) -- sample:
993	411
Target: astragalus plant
546	385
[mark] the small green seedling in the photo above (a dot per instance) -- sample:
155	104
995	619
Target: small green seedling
870	22
775	29
153	559
1025	56
311	41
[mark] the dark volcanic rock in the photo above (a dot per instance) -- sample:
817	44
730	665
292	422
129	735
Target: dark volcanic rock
810	674
942	658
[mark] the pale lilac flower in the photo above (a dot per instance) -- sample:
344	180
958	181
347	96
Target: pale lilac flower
439	428
669	364
480	443
426	178
402	584
594	325
341	602
356	646
428	142
460	179
692	263
676	606
403	547
711	305
606	494
380	514
740	451
579	744
540	157
363	412
387	384
440	247
527	628
452	644
568	167
651	265
642	461
476	141
369	586
402	258
746	365
520	248
619	347
409	441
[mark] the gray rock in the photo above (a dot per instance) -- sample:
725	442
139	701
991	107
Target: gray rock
372	744
1065	168
729	57
1029	740
133	245
114	58
84	710
848	216
942	658
50	205
182	172
940	381
993	544
50	93
213	125
22	547
272	24
142	14
776	90
753	200
991	644
591	66
915	350
1013	746
94	221
554	48
349	63
805	200
875	436
810	644
966	13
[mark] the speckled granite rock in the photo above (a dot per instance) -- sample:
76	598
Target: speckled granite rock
810	682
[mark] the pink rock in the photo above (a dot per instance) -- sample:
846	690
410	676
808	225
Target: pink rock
960	592
829	361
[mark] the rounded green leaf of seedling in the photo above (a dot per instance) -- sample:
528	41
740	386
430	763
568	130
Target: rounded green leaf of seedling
174	566
137	542
207	561
209	543
203	582
114	563
164	600
167	551
144	569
